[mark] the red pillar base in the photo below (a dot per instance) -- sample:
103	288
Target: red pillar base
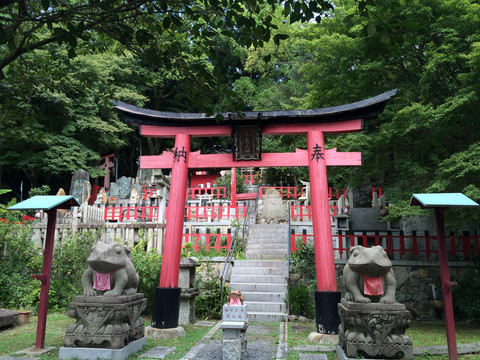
326	311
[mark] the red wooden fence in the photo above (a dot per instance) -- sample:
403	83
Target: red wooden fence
219	192
294	192
131	213
253	179
304	213
214	213
407	247
192	213
208	241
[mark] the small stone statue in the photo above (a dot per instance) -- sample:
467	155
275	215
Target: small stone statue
110	272
235	298
368	276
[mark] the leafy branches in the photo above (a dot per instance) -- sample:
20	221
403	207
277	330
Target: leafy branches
30	25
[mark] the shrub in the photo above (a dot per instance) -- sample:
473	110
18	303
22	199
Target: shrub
300	301
69	264
209	303
148	265
19	258
465	295
300	293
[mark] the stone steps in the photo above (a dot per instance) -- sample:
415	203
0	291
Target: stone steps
267	241
255	278
263	284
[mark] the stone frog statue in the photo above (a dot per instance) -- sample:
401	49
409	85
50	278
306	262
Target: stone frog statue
368	276
110	272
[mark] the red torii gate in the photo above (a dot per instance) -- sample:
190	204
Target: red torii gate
313	123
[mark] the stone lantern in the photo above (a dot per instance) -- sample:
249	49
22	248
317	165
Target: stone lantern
186	281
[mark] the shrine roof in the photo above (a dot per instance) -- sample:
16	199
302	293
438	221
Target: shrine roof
364	109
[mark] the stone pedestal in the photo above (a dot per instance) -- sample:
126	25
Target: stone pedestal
105	322
374	330
234	342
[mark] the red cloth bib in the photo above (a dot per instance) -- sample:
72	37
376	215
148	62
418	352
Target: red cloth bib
102	281
372	285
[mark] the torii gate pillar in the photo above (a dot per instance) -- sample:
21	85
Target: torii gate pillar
326	297
167	295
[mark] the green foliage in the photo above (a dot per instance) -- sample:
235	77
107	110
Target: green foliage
209	303
226	181
300	293
300	301
69	264
42	190
465	296
148	265
302	262
19	259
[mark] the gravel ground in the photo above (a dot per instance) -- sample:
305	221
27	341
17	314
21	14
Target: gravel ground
256	350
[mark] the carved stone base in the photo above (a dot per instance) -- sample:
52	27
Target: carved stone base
374	330
105	322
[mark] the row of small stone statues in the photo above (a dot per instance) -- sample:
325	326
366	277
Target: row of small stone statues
108	313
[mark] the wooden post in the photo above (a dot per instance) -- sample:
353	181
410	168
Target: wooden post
446	285
45	279
176	207
233	188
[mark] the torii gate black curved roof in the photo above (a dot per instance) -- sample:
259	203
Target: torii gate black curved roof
366	109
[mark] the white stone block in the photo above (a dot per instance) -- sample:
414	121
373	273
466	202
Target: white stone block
234	313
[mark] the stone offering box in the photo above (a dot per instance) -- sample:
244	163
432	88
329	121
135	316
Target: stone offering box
374	330
105	322
234	313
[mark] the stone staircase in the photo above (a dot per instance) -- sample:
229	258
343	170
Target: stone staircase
267	242
263	279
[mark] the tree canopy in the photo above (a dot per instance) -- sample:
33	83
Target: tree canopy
64	61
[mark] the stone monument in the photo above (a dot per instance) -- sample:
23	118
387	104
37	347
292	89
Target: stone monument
78	183
108	313
273	209
372	323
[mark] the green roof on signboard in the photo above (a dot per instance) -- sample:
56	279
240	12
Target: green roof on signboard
46	202
441	200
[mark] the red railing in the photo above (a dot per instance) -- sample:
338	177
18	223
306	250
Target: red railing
287	192
214	213
294	192
304	212
131	213
253	179
335	194
402	247
208	241
215	192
